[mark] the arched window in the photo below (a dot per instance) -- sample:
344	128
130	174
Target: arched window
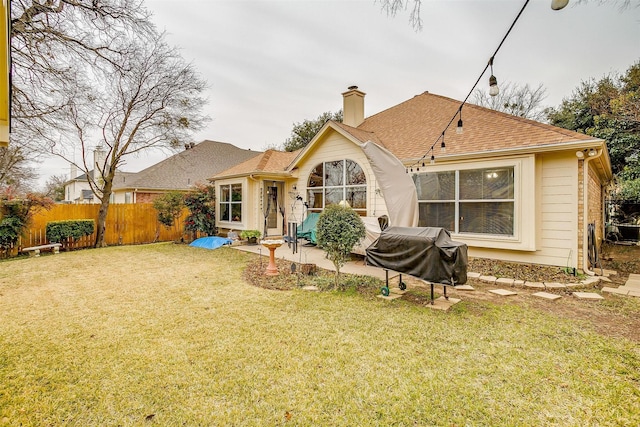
332	182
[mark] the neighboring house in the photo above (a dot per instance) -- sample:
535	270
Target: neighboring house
180	172
510	188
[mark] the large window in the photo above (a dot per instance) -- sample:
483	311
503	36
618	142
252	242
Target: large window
230	208
332	182
475	201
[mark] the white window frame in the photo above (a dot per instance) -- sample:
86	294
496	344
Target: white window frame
323	188
230	203
524	206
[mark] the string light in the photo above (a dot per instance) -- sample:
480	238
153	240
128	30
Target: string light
558	4
493	82
443	147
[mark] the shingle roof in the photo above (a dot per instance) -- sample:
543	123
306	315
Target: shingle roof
410	128
181	171
271	161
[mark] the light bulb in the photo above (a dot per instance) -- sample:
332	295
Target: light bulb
459	129
558	4
443	147
493	86
433	159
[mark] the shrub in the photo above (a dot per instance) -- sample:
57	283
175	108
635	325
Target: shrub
201	205
60	231
339	230
169	207
247	234
15	213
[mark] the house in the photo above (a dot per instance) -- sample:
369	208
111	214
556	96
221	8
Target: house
179	172
510	188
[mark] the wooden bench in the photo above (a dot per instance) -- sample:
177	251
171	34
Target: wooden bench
34	251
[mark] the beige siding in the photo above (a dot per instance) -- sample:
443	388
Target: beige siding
557	234
337	147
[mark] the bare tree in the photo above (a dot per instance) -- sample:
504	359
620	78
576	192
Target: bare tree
14	169
48	39
522	101
392	7
148	97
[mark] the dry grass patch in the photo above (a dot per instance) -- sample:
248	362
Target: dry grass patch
172	335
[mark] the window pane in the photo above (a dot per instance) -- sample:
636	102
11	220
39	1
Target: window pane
224	193
486	184
437	215
487	218
236	212
333	196
315	178
357	197
236	192
355	174
315	199
436	186
334	173
225	212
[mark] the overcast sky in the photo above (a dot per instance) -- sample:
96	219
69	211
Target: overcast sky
270	64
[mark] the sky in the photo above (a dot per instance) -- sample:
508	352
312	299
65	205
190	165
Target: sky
270	64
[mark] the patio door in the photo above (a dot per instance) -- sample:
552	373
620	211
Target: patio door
273	208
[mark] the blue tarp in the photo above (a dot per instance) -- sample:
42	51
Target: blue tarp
211	242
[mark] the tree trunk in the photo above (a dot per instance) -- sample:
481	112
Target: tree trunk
102	223
102	213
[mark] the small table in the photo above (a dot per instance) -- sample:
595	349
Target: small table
272	245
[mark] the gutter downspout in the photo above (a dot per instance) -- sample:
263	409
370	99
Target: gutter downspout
585	212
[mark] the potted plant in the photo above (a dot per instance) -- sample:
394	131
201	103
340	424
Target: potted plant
252	236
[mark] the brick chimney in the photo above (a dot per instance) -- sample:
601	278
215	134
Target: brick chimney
353	107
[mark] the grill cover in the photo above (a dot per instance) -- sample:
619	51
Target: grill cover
424	252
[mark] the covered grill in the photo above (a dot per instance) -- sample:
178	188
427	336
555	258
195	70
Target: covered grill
427	253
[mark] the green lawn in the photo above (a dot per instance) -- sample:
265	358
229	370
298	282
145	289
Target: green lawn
171	335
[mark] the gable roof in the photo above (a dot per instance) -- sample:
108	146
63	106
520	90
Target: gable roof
410	128
271	162
182	170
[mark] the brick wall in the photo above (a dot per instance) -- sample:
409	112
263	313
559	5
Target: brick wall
595	214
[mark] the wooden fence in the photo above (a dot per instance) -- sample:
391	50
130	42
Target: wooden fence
127	224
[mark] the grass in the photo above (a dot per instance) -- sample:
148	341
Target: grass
172	335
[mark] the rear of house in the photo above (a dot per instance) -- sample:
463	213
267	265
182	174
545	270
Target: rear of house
510	188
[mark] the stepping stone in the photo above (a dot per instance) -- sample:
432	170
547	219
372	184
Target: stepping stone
534	285
587	295
518	283
503	292
633	284
634	293
472	275
554	285
310	288
488	279
390	297
505	281
590	281
547	295
464	288
605	279
615	290
443	304
608	273
397	291
574	285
